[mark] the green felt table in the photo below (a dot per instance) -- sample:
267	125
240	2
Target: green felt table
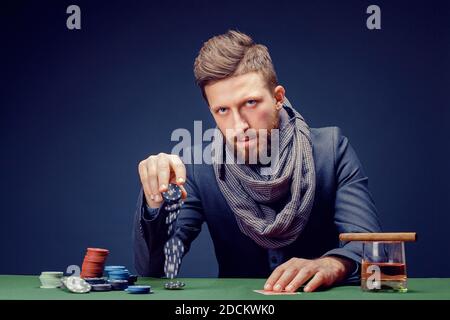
27	287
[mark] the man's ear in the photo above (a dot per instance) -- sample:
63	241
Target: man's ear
279	94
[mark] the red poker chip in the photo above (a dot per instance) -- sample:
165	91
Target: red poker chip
93	262
86	276
98	250
96	255
92	270
89	274
91	266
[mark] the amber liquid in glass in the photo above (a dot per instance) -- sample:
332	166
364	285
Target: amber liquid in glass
392	276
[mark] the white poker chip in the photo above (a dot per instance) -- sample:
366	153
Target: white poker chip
76	284
174	285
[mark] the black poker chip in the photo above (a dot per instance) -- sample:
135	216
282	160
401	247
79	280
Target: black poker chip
119	284
173	249
132	279
101	287
95	280
173	194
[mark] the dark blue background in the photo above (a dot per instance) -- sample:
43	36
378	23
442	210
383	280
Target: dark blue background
80	109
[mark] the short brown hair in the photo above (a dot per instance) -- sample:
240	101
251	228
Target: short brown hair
231	54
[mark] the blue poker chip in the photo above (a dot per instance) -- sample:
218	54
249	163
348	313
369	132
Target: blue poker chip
119	275
115	267
173	194
139	289
109	269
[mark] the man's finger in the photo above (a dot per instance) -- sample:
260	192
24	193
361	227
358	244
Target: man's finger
276	274
315	282
163	172
144	181
183	192
179	169
285	278
304	275
153	180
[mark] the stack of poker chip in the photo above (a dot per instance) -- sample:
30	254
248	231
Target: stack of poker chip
94	263
108	269
174	285
119	275
173	248
50	279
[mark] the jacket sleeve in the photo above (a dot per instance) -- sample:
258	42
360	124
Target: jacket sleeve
150	229
355	209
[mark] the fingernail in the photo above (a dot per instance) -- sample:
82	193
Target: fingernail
289	288
277	287
163	186
306	289
180	180
267	287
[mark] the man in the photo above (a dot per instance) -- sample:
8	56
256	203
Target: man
283	226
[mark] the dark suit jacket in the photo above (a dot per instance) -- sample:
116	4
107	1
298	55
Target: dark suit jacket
342	203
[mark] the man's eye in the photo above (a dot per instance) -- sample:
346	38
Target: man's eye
251	102
222	110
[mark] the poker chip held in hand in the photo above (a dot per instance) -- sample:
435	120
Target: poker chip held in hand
172	195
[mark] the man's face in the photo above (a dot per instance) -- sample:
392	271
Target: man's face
241	106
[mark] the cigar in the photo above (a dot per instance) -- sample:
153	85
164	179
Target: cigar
388	236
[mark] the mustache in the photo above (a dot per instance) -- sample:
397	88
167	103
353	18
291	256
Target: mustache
251	134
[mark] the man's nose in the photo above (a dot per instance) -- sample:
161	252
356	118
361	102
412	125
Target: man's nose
240	123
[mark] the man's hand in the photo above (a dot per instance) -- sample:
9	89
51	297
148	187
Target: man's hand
156	172
323	272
